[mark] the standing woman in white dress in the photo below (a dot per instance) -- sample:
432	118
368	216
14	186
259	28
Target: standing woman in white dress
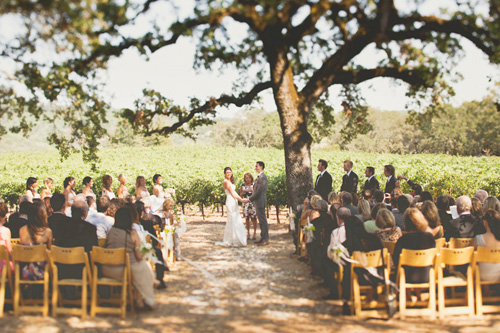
122	191
235	232
88	182
107	181
69	193
31	185
140	188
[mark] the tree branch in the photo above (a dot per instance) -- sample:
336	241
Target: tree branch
410	76
211	104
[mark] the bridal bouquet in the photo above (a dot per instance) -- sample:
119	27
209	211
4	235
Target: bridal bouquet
308	231
182	220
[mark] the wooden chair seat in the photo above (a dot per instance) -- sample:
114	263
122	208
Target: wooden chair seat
30	254
462	303
119	257
417	258
69	256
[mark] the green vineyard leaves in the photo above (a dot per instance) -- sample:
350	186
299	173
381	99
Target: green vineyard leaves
196	172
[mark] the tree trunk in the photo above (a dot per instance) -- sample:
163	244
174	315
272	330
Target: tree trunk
296	139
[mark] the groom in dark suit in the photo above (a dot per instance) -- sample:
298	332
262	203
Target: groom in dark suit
323	183
258	198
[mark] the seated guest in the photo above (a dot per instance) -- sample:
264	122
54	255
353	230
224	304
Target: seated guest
364	211
58	219
417	238
333	198
102	204
78	232
490	239
99	220
378	197
147	224
346	201
367	195
465	225
338	237
4	233
370	225
398	216
48	207
431	214
426	195
477	208
322	224
443	206
35	232
19	220
481	195
142	276
114	205
388	231
491	203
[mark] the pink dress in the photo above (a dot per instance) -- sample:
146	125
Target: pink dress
5	241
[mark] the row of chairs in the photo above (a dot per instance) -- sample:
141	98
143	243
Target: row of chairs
453	302
90	279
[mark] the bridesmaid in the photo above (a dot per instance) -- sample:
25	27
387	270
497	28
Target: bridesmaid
47	191
122	191
140	188
88	182
107	181
249	211
31	185
158	188
69	192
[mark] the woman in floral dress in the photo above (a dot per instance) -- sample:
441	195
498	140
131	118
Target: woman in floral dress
249	211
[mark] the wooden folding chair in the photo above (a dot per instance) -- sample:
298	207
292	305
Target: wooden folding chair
440	242
465	302
417	258
489	256
15	241
458	243
69	256
362	295
112	257
390	245
6	278
101	242
30	254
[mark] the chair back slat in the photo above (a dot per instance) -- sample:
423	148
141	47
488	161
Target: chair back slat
29	253
457	243
15	241
68	256
487	255
4	254
369	259
105	256
418	258
456	256
440	243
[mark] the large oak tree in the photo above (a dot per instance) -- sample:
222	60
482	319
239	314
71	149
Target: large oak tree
296	48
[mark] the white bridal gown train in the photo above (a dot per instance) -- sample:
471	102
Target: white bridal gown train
235	233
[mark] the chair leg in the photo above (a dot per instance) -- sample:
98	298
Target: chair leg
479	295
124	297
470	293
2	293
432	294
93	290
84	297
402	295
55	295
17	293
441	302
45	310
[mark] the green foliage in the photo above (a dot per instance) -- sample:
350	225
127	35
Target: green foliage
196	172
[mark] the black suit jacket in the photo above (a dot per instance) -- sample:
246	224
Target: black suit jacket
390	185
57	222
15	223
464	226
324	185
350	183
372	184
77	232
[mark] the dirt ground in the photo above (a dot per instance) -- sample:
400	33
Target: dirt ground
251	289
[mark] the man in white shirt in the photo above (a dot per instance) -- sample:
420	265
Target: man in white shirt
100	221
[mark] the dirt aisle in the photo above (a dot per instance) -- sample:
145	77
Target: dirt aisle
251	289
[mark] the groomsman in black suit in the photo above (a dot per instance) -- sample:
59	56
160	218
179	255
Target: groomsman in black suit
389	172
323	183
371	182
350	179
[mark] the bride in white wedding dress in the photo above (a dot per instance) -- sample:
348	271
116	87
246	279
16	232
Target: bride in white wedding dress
235	232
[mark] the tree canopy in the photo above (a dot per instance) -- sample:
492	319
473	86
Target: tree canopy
296	48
